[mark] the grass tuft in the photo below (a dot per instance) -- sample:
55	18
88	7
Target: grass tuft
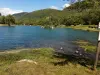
47	64
88	47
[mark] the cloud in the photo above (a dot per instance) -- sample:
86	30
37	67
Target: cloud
54	7
7	11
66	5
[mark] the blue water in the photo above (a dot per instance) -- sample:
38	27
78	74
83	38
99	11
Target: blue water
36	37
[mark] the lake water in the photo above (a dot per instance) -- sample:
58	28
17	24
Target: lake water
36	37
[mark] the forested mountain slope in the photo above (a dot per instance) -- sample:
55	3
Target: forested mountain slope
86	12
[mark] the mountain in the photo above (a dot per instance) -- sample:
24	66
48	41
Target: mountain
84	12
84	5
78	6
37	14
19	15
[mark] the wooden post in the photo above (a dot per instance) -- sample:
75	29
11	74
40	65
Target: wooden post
98	50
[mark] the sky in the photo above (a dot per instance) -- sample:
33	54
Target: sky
17	6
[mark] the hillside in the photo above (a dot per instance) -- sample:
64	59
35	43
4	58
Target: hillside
84	5
37	14
85	13
27	18
19	15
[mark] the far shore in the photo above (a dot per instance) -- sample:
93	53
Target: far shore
85	27
6	25
77	27
3	25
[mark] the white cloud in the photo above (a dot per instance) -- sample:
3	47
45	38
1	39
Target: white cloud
66	5
7	11
54	7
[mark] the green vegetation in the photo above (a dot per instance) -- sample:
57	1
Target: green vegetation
7	20
0	14
10	20
88	47
41	61
39	17
84	27
85	12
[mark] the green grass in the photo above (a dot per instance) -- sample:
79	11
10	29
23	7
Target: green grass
83	27
47	63
86	45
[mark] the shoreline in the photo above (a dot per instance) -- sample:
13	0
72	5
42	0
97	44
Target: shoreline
13	51
84	27
87	46
42	60
77	27
3	25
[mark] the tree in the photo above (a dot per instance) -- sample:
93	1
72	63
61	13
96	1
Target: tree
10	20
3	19
0	14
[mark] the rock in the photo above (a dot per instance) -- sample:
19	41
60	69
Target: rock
27	60
76	51
61	48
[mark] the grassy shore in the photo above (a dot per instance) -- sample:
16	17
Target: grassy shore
40	61
84	27
79	27
3	25
88	47
6	25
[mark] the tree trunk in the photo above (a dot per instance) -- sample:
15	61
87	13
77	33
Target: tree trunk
9	24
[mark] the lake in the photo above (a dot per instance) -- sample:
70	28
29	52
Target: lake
37	37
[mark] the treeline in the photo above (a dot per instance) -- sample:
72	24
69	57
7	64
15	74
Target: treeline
7	20
86	12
